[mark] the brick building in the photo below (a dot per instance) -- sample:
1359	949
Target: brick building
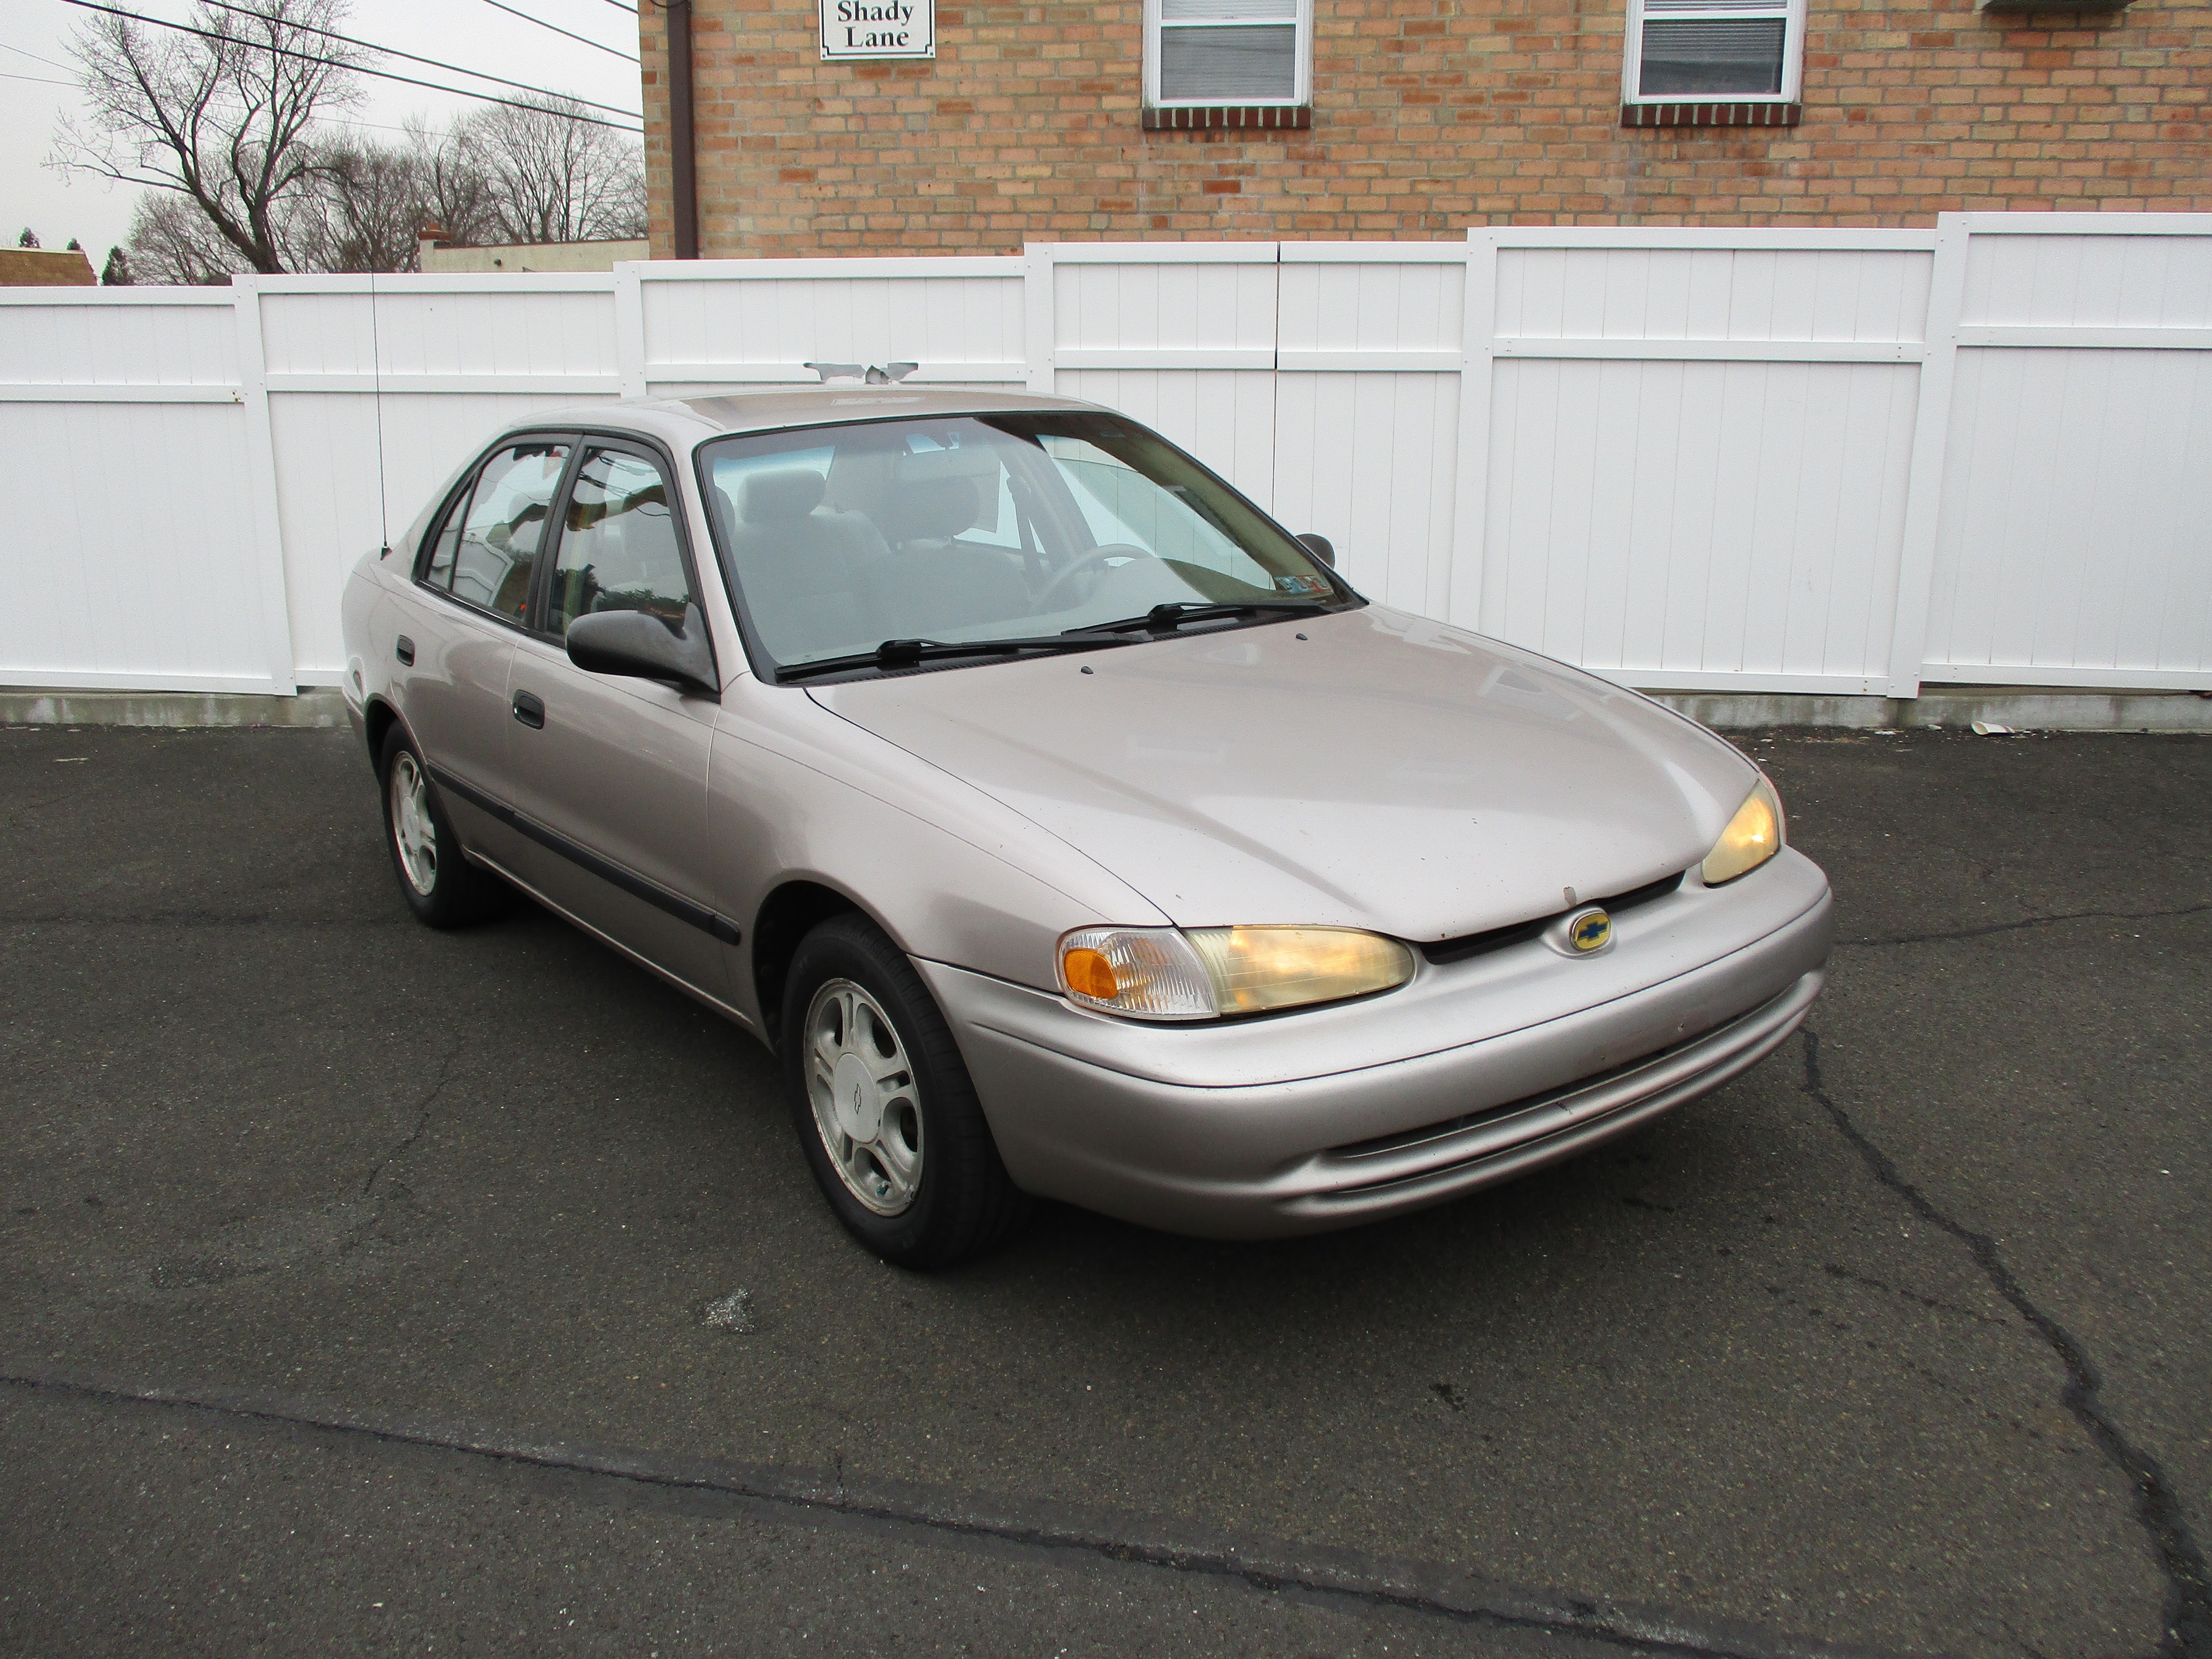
1326	118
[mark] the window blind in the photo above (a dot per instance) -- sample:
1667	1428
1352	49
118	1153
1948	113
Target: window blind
1228	51
1713	49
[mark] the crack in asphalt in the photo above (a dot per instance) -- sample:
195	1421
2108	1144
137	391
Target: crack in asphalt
276	1243
1266	1565
2031	921
1933	1304
422	1118
2189	1582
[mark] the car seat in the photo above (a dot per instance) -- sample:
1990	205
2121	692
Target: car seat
932	581
799	568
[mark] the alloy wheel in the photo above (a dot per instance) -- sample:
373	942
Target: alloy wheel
413	831
868	1106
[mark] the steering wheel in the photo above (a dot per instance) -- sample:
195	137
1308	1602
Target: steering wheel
1096	555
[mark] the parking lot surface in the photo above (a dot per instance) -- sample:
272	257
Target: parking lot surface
355	1280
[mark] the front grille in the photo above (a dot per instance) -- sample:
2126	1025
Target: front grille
1446	951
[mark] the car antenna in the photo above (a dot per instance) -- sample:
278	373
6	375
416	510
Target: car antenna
376	380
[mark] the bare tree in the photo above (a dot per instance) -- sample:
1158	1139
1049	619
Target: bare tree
221	116
171	241
552	177
363	213
222	122
454	194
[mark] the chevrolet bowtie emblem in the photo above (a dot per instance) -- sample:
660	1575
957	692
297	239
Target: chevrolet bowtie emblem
1590	931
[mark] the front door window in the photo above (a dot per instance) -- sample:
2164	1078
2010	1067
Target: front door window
618	547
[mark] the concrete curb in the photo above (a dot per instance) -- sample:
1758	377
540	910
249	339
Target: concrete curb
2023	708
315	707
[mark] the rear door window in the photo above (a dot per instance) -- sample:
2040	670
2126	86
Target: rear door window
487	552
438	571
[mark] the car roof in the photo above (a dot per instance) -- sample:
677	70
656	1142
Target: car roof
681	423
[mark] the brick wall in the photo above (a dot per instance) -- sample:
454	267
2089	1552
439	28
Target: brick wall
1429	115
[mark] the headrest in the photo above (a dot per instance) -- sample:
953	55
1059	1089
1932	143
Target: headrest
973	462
933	509
779	497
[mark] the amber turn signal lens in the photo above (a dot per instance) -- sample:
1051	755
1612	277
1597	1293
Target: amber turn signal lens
1090	974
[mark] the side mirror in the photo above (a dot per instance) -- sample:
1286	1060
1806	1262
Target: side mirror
636	643
1321	548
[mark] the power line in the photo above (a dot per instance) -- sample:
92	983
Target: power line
501	80
49	61
496	5
334	62
371	126
618	6
334	120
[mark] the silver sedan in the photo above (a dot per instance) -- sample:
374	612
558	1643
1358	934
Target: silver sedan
1066	826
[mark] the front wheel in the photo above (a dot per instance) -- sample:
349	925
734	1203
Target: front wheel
884	1105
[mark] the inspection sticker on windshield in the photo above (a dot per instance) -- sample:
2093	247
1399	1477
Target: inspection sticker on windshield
1301	583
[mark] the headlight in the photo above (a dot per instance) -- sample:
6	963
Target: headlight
1159	973
1754	835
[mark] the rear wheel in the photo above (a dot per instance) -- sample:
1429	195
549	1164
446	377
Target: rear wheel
884	1105
441	887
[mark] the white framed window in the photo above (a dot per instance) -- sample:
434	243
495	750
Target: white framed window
1736	52
1232	53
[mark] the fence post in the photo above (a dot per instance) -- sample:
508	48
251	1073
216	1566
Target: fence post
1470	598
629	328
1931	433
267	531
1037	331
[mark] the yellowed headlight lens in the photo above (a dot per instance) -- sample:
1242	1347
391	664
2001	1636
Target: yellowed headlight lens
1160	973
1257	968
1754	835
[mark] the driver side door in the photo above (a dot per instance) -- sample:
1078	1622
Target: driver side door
609	771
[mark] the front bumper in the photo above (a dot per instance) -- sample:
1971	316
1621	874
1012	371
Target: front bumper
1144	1123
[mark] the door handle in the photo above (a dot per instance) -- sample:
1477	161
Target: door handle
530	710
405	650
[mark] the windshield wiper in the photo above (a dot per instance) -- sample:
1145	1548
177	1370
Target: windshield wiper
904	653
1166	618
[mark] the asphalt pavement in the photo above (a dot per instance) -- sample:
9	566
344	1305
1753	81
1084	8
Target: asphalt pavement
353	1283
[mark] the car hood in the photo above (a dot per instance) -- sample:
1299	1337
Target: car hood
1363	769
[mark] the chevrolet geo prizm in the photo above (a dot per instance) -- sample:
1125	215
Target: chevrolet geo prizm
1067	827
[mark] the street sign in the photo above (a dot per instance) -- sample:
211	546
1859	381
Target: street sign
878	28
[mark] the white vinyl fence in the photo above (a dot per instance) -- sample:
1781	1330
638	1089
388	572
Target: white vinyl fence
1815	460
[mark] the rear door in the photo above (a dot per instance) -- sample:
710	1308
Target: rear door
609	772
460	621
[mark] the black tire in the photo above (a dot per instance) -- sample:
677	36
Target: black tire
964	1203
458	893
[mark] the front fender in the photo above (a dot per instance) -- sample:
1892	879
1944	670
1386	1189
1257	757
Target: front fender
797	794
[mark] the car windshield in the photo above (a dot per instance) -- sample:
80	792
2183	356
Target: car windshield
984	527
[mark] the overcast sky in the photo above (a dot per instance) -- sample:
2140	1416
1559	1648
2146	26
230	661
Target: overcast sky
470	32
